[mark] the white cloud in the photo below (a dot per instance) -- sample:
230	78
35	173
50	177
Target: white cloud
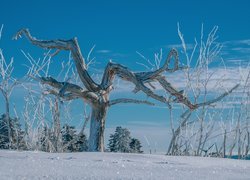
189	46
238	42
145	123
237	61
243	50
103	51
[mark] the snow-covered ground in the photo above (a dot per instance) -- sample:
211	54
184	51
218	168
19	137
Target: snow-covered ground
87	165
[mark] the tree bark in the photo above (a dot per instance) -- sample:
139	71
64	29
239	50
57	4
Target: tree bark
97	126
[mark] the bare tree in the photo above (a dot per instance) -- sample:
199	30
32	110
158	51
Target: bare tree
198	80
97	95
7	84
44	110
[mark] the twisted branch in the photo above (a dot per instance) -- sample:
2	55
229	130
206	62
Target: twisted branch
70	45
74	91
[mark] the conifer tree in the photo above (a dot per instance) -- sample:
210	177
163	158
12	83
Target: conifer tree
81	143
68	138
135	146
11	126
119	141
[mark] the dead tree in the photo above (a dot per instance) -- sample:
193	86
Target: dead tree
7	84
97	95
197	80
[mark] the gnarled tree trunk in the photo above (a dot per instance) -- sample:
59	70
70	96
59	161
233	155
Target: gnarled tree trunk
97	126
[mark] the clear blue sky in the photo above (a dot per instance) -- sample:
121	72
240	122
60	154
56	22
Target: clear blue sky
122	27
119	29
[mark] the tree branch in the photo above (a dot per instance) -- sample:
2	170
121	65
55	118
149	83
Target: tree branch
148	76
126	100
75	91
138	79
70	45
180	98
207	103
62	86
113	69
65	97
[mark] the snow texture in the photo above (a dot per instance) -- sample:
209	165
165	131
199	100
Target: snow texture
89	165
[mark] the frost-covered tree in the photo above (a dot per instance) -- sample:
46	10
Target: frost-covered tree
17	134
69	138
112	143
7	84
123	140
120	140
4	140
73	142
97	95
135	146
81	143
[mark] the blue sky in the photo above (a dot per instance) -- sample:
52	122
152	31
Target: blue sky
119	29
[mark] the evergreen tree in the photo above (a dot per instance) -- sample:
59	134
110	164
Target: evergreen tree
17	135
69	138
112	143
81	143
119	141
135	146
4	140
73	142
124	140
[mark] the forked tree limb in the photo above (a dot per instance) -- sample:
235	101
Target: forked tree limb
70	45
123	72
113	69
149	76
72	89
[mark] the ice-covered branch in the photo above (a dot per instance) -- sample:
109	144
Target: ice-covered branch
208	103
73	91
126	100
70	45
